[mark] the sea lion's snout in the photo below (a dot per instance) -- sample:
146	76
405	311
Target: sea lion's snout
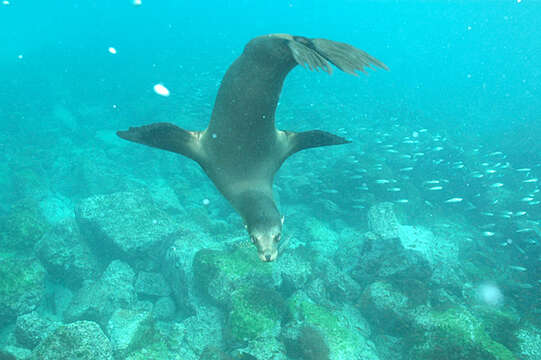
268	257
267	246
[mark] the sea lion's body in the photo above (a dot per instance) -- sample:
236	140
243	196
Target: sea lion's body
241	149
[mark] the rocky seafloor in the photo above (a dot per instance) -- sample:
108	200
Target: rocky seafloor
104	266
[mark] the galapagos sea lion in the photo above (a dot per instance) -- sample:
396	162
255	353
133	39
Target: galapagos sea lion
241	149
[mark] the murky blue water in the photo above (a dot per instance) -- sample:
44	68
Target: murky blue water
449	136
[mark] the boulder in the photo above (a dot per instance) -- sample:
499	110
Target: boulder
31	329
128	331
529	342
81	340
294	269
262	348
342	334
339	286
126	225
97	300
22	286
22	228
254	312
164	309
456	334
387	309
218	273
10	352
382	220
66	256
203	329
151	284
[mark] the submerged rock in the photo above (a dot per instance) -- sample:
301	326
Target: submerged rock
343	338
10	352
386	308
262	348
529	342
31	329
23	227
164	308
97	300
203	329
127	225
129	330
66	256
218	273
81	340
295	270
305	342
456	334
382	220
254	312
22	286
151	284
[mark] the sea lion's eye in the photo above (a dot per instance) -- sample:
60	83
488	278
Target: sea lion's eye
252	237
276	237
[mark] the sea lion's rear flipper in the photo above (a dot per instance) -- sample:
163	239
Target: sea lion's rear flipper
298	141
165	136
314	54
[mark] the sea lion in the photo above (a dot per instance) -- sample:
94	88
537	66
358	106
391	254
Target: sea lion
241	149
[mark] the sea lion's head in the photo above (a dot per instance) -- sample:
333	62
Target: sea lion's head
266	239
262	220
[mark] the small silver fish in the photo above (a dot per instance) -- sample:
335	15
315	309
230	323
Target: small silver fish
453	200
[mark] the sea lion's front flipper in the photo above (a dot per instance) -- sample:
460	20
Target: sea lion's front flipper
298	141
165	136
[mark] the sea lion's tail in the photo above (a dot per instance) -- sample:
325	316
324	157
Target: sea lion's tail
317	53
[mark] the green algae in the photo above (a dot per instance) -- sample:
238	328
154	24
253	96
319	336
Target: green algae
254	312
22	228
340	338
18	276
234	266
457	334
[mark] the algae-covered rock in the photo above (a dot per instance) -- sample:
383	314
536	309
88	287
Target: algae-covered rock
214	353
304	342
344	339
262	348
31	329
194	334
500	323
66	256
22	228
295	270
529	342
382	220
164	308
156	349
151	284
456	335
10	352
97	300
255	312
81	340
218	273
127	225
129	330
386	308
319	237
338	284
22	286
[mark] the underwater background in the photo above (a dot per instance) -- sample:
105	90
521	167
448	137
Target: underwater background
419	240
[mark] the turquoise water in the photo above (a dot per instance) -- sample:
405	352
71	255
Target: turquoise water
419	240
